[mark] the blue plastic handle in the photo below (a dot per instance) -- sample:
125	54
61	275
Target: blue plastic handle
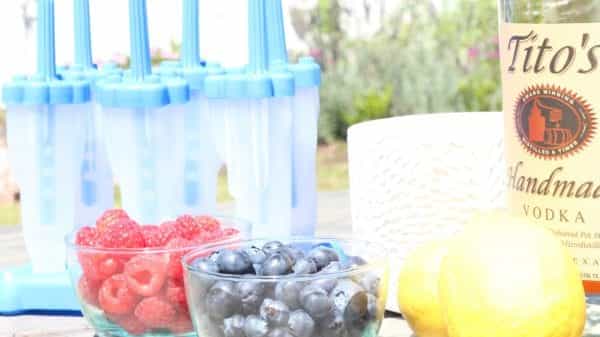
83	41
140	46
190	47
275	33
257	36
46	55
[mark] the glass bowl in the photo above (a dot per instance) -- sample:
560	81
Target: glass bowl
329	303
123	291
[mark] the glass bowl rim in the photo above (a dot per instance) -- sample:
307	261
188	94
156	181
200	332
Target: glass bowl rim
382	259
69	240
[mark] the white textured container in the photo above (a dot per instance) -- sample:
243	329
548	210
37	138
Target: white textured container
419	178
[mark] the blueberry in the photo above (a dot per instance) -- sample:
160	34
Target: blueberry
215	255
361	310
276	264
288	255
305	267
222	300
371	283
323	256
234	326
251	295
255	327
343	293
206	266
288	293
329	282
258	269
280	332
275	312
333	325
234	262
316	302
256	255
272	247
301	324
357	261
296	252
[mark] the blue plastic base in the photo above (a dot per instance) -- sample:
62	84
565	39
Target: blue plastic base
25	293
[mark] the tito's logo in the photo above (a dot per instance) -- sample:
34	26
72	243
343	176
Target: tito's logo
552	122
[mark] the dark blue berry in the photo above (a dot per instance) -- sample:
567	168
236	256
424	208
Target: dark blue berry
276	264
288	293
305	267
206	266
343	293
315	301
280	332
276	313
333	325
234	326
234	262
222	300
301	324
251	295
272	247
323	256
257	255
255	327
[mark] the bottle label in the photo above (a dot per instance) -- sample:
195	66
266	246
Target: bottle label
551	97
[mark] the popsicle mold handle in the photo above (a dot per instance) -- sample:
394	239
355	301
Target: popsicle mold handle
190	48
277	48
46	55
83	42
140	47
257	36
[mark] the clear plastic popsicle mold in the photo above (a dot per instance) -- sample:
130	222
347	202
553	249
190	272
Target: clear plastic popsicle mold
44	131
141	114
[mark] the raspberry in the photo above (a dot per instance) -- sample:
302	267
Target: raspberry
98	267
115	297
181	324
86	237
187	226
169	231
152	236
109	217
122	234
132	325
175	294
208	223
155	312
175	270
88	290
230	232
146	274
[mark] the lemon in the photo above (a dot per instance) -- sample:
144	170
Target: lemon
506	278
418	290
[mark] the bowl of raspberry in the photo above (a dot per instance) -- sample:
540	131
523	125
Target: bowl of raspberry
129	277
299	287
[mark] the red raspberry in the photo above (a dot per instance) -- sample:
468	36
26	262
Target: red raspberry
132	325
86	237
187	226
230	232
175	294
152	236
181	324
208	223
155	312
146	273
115	297
88	290
122	234
109	217
169	231
98	266
178	245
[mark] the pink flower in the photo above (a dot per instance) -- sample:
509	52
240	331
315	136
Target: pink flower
473	53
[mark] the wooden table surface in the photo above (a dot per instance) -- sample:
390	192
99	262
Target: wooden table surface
334	218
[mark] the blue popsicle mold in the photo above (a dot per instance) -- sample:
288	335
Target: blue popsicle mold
307	73
139	88
23	292
46	87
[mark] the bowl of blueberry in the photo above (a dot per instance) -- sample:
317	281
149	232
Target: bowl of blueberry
299	287
129	277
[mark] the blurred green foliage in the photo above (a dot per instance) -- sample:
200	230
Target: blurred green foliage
428	56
